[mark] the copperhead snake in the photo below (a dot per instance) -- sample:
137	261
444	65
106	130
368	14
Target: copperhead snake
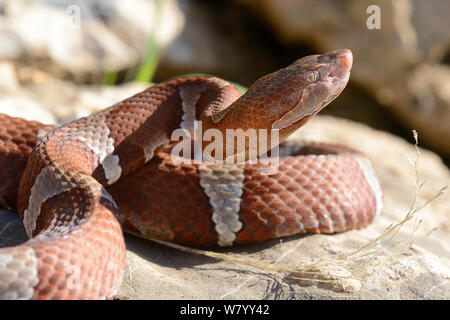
76	187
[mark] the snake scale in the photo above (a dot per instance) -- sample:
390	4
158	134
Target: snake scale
78	186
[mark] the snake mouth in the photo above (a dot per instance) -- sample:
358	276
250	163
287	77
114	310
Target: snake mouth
337	70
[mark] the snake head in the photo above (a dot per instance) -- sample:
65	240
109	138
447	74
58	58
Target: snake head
314	81
285	99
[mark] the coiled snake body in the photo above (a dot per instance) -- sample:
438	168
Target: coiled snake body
76	186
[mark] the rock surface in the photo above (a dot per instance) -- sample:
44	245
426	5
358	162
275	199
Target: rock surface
215	40
30	94
420	270
86	38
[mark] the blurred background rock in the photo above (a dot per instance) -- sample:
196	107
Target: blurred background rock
400	79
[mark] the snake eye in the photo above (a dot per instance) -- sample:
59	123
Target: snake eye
312	76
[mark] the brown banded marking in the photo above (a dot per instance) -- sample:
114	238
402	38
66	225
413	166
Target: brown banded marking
64	225
218	115
223	184
52	181
149	149
189	97
95	133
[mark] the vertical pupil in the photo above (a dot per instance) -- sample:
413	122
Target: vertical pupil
312	76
